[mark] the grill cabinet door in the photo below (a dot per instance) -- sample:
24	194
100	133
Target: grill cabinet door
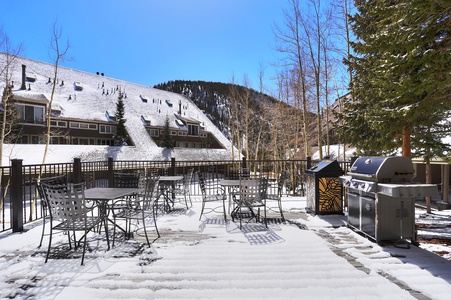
368	216
353	209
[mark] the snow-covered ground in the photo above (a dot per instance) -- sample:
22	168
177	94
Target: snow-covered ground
308	257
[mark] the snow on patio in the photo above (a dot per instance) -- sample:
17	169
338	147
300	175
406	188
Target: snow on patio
309	257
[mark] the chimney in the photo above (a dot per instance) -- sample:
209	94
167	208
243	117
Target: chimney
23	87
180	107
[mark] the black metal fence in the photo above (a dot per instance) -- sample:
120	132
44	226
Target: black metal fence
20	200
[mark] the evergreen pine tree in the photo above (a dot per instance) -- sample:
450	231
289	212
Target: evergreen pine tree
401	74
121	136
166	139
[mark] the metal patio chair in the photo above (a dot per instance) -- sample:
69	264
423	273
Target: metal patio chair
251	198
275	193
125	180
211	192
55	180
140	209
70	212
183	188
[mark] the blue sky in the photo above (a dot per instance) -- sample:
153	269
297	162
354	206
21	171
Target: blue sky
152	41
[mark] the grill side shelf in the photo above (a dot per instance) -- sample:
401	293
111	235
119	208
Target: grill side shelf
407	189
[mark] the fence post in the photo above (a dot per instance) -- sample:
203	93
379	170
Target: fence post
77	170
16	195
244	163
110	172
309	162
172	173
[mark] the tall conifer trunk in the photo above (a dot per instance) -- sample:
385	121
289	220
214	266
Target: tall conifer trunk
406	141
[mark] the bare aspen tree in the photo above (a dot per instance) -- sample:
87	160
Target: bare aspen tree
344	35
234	117
246	102
263	119
8	118
6	71
315	26
291	44
58	55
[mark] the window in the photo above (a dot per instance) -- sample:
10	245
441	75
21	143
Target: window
83	141
193	129
30	114
106	142
107	129
36	139
23	139
83	126
58	123
173	132
54	140
154	132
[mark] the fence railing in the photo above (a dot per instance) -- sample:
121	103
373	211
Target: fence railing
20	203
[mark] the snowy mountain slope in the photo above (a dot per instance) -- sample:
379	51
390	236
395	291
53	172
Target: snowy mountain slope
99	95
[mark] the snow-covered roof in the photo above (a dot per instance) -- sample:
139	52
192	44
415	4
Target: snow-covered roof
99	94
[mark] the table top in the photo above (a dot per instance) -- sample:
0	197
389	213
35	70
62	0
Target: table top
100	193
229	182
171	178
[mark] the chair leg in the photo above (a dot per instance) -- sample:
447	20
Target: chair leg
190	202
224	210
43	231
114	230
84	249
50	243
186	202
202	210
281	211
105	223
145	232
155	221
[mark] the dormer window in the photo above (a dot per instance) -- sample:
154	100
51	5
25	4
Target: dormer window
111	115
56	110
179	123
146	120
193	129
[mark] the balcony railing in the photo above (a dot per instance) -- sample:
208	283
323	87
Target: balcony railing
19	199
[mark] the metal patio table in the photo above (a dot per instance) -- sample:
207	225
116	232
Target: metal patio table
167	183
103	195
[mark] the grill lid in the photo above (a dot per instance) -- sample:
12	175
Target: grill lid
383	169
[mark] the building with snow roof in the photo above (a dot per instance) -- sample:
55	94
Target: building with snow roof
83	118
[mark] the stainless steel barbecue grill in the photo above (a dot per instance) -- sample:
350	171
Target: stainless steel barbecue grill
381	197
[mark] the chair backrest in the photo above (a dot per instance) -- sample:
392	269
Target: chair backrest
253	190
142	181
151	192
126	180
188	178
55	180
66	202
207	188
201	182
